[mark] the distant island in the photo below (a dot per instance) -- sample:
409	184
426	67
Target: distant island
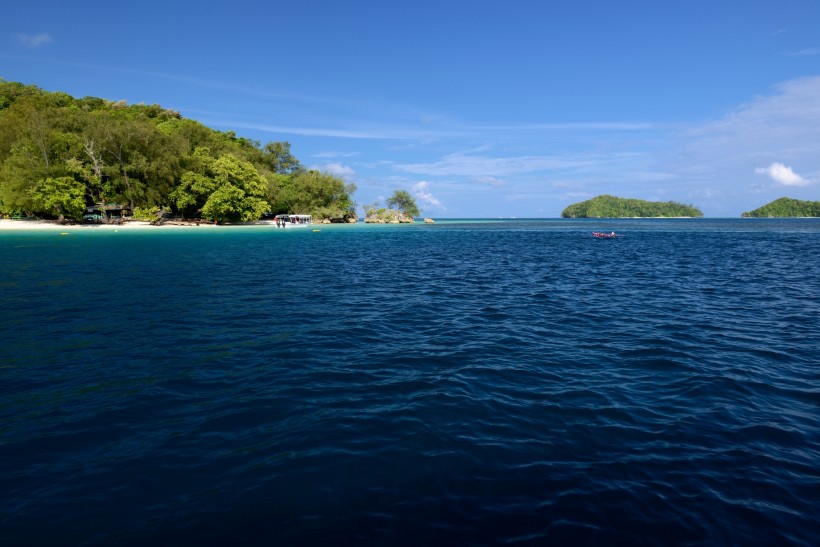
786	207
614	207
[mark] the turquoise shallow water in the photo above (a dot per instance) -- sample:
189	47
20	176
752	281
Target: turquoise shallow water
468	382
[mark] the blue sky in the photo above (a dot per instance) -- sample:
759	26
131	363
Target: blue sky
479	109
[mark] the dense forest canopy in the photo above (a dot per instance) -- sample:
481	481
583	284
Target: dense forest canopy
60	155
613	207
787	207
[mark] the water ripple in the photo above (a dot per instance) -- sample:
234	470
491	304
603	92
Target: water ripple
464	383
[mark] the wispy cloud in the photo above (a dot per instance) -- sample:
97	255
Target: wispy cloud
784	124
460	164
782	174
570	126
804	52
33	41
490	181
311	131
490	169
780	128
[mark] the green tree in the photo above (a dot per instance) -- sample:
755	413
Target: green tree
224	189
402	201
786	207
605	206
144	155
18	178
10	92
63	196
276	157
312	192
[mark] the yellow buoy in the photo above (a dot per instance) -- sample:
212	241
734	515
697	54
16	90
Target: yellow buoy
63	233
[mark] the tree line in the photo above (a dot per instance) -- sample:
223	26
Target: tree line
613	207
60	155
786	207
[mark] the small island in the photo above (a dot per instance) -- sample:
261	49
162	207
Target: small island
401	209
606	206
786	207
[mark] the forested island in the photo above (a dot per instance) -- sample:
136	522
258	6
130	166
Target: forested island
786	207
606	206
61	157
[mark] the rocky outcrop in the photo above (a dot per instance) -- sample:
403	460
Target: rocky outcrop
387	216
347	219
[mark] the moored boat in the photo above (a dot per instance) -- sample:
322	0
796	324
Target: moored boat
293	221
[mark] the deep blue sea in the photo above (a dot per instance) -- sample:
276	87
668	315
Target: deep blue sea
463	383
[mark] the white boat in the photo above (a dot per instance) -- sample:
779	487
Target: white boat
293	221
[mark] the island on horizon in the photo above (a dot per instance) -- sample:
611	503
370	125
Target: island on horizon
606	206
786	208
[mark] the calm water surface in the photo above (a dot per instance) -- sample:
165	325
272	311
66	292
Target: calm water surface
468	383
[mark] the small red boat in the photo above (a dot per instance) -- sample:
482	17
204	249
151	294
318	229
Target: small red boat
610	235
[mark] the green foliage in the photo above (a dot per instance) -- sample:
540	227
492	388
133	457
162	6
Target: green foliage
401	200
12	91
613	207
224	189
370	208
18	177
277	158
63	196
787	207
148	156
229	203
147	214
401	211
382	214
312	192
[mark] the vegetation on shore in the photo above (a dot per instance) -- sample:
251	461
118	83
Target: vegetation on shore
60	155
400	208
605	206
786	207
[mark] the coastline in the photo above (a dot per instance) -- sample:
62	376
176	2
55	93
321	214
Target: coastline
9	225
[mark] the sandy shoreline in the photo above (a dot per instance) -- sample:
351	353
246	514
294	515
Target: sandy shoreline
48	225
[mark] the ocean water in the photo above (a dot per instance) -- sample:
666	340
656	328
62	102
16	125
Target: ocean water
463	383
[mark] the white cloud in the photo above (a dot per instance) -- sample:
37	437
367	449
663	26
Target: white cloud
421	190
339	170
782	174
460	164
755	137
33	41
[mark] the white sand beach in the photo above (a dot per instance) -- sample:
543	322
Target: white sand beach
8	225
49	225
